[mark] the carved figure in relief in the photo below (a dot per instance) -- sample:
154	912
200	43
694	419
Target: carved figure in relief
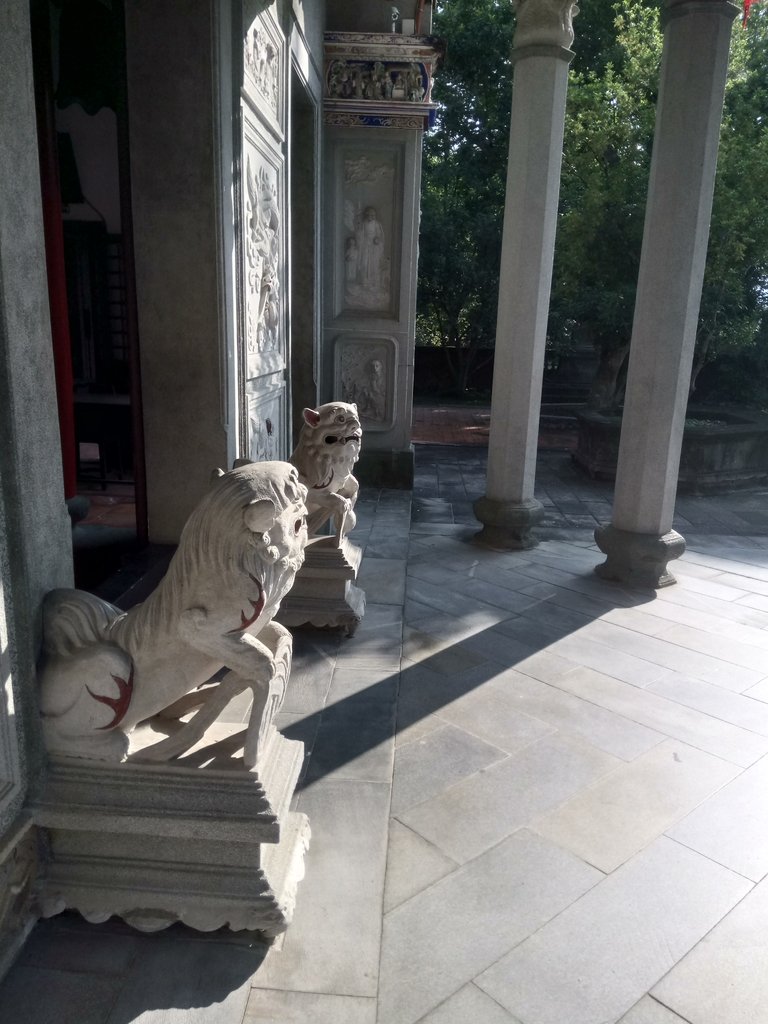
369	391
369	287
544	22
328	448
105	671
263	260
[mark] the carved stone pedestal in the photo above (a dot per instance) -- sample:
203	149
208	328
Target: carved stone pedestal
201	840
324	593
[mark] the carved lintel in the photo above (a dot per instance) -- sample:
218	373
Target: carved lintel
544	22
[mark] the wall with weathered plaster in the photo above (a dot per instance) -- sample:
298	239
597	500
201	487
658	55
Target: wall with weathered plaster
172	123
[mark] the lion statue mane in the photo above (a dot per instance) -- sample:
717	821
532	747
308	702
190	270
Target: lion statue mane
104	671
328	448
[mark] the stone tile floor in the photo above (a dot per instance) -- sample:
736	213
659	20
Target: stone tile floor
536	798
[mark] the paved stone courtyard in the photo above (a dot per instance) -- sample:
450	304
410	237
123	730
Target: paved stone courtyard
536	798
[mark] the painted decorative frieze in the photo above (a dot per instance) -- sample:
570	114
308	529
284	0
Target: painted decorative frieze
376	79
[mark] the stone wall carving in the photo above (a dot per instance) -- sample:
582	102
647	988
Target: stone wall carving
378	77
377	80
105	671
367	231
365	376
544	22
264	417
262	60
262	253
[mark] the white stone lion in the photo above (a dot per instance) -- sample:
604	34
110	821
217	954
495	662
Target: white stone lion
328	448
104	671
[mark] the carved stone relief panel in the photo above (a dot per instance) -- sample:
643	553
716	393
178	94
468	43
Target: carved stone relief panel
368	232
365	374
264	69
266	412
263	262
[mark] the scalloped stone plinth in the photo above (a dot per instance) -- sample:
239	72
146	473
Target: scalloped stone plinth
507	525
201	841
638	558
324	593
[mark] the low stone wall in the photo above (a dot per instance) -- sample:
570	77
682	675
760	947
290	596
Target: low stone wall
722	448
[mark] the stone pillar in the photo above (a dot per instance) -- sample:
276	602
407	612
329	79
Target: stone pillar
377	105
640	540
541	56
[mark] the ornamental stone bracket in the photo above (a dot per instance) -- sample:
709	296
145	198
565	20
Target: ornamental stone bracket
379	80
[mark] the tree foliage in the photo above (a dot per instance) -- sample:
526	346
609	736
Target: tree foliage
465	160
606	161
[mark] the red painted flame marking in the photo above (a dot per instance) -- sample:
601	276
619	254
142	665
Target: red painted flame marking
327	483
118	704
257	605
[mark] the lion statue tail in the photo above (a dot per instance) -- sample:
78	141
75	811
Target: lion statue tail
73	619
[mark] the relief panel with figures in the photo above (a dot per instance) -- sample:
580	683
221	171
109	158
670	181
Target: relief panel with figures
368	238
262	239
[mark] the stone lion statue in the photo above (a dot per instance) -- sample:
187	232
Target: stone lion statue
104	671
328	448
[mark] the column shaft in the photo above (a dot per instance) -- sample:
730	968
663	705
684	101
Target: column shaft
640	541
509	509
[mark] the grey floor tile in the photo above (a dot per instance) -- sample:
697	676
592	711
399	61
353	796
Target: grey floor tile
650	1011
469	817
384	578
438	941
734	666
617	816
273	1007
731	827
413	864
176	981
442	757
355	740
491	713
758	692
377	683
442	653
332	945
599	727
469	1006
724	979
682	723
34	995
594	961
739	709
69	943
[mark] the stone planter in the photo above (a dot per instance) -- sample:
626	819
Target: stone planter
732	453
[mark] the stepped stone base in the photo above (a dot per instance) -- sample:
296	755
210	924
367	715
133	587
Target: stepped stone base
324	593
201	840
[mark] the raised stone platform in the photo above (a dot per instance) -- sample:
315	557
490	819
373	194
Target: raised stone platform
324	593
201	840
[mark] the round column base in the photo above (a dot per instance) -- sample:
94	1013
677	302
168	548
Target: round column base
640	559
507	526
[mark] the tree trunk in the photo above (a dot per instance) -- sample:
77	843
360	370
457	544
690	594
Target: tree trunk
604	392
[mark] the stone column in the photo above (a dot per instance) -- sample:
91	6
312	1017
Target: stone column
541	56
640	540
376	108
